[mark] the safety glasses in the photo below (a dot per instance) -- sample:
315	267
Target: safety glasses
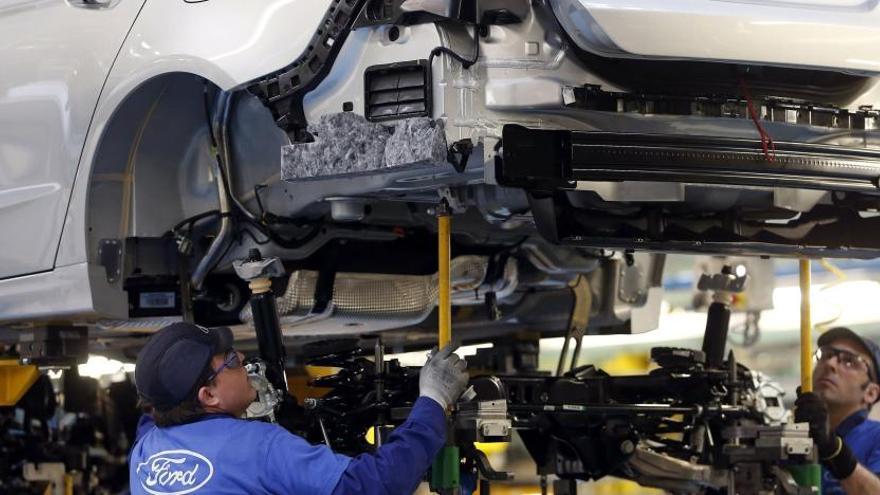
846	359
232	361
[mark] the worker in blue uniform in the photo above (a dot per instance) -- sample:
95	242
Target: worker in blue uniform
198	389
845	388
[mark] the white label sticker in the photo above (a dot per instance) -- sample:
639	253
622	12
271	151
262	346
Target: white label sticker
157	300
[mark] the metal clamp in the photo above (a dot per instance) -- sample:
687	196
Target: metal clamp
268	398
250	269
723	282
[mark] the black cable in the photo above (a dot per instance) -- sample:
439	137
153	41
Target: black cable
264	229
269	218
229	244
214	147
218	159
466	63
208	113
257	189
191	221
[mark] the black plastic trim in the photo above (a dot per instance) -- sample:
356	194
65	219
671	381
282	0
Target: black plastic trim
556	158
283	90
774	109
549	163
484	12
836	232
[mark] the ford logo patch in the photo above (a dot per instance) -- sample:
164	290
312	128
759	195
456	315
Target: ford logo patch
174	472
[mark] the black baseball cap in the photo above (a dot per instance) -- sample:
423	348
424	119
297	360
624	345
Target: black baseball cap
870	348
175	359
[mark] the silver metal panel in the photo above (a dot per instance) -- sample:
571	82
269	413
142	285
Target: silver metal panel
227	43
61	292
834	34
54	60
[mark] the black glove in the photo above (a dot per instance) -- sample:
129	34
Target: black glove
834	454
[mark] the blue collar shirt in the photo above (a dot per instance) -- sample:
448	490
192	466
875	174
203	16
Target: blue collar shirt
219	454
862	435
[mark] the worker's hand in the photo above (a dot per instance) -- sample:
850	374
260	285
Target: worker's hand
833	451
810	408
443	377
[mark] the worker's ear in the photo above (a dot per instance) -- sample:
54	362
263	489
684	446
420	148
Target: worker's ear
207	397
872	393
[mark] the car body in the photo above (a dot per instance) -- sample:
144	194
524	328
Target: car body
585	139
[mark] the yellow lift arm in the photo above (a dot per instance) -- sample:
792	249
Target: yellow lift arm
15	380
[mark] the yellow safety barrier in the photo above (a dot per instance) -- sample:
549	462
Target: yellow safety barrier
15	380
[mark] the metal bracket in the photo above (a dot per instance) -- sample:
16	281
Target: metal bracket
253	269
54	345
454	199
485	468
723	282
283	90
578	322
110	257
268	399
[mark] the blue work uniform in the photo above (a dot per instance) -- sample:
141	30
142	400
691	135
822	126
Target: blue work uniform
219	454
862	436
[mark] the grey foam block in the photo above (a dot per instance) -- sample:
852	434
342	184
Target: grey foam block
416	140
344	143
347	143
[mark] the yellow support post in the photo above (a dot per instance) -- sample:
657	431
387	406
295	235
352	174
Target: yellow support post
806	475
445	474
15	380
68	484
806	329
443	252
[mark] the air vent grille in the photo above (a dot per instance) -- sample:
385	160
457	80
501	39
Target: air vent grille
396	91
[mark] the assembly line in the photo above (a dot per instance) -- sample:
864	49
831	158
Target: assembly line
445	246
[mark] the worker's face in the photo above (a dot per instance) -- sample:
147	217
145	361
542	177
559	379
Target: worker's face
844	382
229	391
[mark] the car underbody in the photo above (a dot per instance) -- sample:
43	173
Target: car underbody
556	162
570	170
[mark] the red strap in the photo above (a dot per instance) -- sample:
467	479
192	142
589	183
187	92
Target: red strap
767	144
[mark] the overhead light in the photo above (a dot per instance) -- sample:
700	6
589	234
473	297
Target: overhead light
99	367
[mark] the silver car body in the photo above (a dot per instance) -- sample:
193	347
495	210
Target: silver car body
100	107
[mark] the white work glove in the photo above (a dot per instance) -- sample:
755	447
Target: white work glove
443	377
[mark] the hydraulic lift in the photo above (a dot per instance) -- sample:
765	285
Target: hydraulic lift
580	423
